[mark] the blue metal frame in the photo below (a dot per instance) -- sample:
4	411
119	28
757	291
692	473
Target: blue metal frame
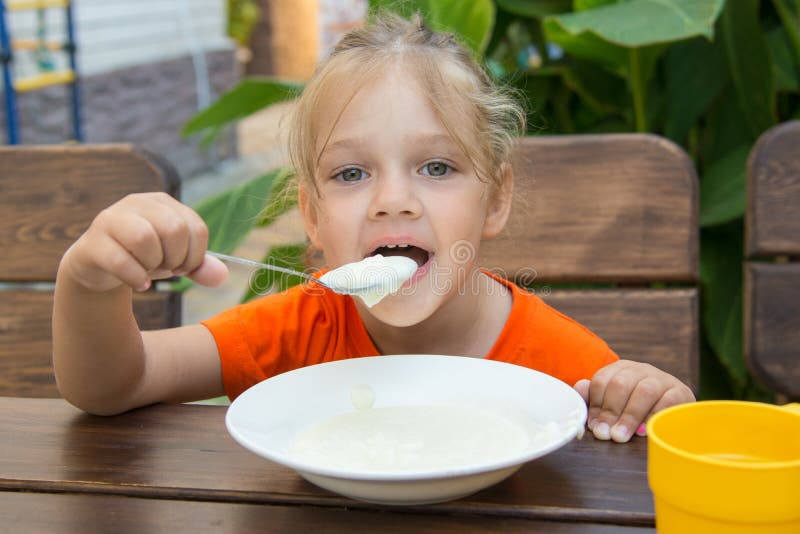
73	64
6	56
8	87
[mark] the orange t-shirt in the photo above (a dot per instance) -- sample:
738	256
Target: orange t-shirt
300	327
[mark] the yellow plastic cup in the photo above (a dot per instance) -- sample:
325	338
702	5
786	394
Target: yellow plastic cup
725	467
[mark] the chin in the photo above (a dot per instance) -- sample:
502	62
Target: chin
402	311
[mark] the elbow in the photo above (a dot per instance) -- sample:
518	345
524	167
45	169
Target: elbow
93	403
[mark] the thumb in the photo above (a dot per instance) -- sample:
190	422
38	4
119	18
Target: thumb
212	272
582	387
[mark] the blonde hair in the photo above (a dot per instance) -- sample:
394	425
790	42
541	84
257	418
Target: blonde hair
461	93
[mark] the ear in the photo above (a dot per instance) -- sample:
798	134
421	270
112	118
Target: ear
500	204
310	215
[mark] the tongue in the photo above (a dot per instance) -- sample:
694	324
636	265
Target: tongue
415	253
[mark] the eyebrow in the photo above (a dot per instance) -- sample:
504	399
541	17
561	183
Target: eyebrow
425	139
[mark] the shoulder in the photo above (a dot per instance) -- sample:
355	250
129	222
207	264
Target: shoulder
540	337
296	308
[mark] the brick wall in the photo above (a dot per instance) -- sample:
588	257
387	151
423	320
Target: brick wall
145	104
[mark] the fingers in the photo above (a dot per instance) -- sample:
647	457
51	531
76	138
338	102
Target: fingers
598	389
143	237
188	234
212	272
582	387
623	395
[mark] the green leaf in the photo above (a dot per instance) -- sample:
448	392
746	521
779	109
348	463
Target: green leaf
627	38
535	8
725	128
598	89
721	278
265	281
231	215
471	21
639	23
251	95
583	5
242	19
722	189
696	71
787	77
282	197
749	63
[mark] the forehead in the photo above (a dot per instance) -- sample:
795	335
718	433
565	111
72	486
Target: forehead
388	103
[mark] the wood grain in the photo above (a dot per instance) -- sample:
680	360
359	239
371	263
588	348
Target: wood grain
184	452
25	336
659	327
773	193
49	196
46	513
602	208
772	325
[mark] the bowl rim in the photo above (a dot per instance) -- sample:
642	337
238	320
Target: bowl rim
419	475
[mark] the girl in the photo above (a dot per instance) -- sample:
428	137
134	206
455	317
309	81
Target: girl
401	145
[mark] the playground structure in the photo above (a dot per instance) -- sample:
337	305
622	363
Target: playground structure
42	48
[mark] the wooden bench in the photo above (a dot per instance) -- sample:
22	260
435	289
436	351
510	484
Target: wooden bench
619	211
48	197
772	270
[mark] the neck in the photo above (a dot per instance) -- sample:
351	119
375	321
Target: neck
466	325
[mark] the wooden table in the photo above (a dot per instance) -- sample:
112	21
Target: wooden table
173	468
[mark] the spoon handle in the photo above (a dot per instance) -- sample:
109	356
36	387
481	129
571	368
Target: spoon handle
251	263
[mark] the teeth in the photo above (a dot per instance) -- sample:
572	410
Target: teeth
390	246
403	246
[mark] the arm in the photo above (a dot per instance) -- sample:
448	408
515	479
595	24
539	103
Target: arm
623	395
103	363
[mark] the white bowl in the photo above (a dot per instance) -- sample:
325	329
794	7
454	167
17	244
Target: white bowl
268	417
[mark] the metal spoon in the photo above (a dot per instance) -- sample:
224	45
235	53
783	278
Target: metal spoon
251	263
337	289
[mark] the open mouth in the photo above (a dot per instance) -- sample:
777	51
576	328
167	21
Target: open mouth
419	255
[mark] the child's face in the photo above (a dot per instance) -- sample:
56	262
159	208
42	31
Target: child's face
391	175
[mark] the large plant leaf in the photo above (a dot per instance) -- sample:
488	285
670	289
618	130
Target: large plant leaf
721	277
231	215
786	75
282	197
612	34
242	19
722	194
725	128
472	21
749	63
266	281
583	5
638	23
695	73
535	8
251	95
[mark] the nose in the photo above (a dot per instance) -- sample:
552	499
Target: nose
395	196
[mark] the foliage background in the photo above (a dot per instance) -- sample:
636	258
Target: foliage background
711	75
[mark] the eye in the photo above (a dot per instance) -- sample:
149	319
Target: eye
436	168
351	174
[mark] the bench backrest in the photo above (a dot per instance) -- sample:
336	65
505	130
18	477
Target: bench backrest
772	272
48	197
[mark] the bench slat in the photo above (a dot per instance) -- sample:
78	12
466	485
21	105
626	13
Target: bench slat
773	193
26	368
603	208
49	196
659	327
772	325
